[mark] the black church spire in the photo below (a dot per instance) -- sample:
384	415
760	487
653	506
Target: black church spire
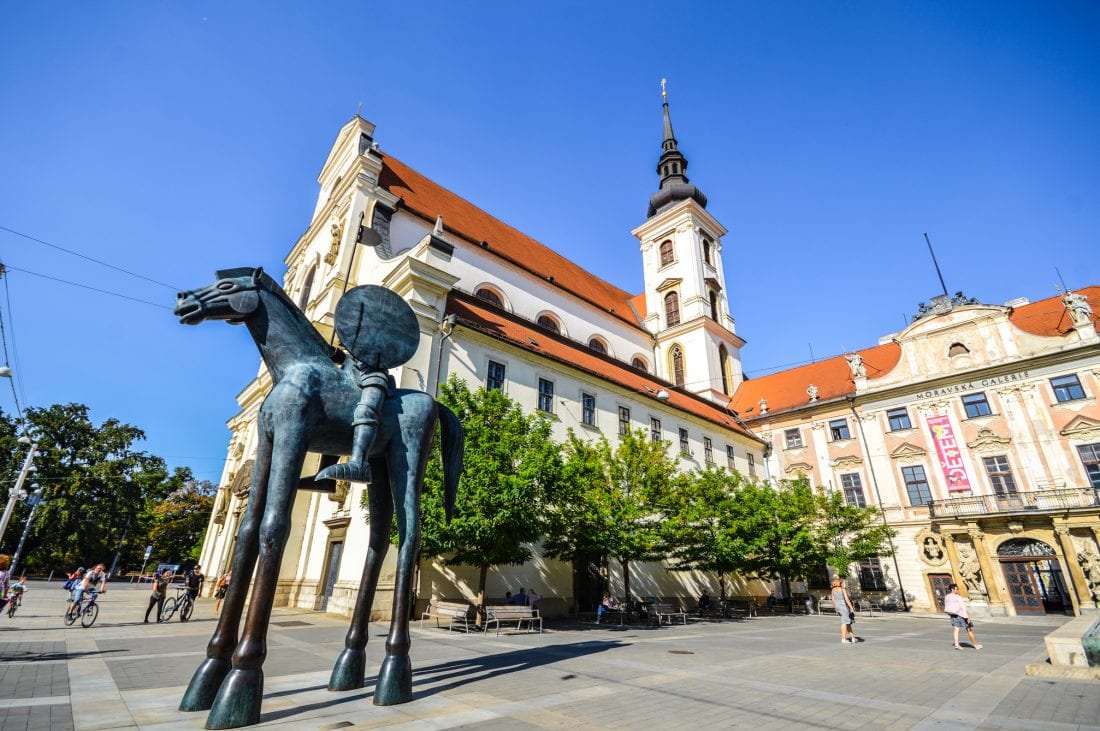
672	169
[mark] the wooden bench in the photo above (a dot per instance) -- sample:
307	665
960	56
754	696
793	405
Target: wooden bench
660	612
495	614
825	605
451	611
865	605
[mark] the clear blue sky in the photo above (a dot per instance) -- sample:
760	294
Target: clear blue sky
172	139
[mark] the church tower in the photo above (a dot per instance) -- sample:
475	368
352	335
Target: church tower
685	288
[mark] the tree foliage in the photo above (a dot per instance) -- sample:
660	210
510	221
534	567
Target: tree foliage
511	470
97	488
177	524
613	501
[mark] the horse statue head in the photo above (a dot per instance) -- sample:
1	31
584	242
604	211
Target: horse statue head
232	298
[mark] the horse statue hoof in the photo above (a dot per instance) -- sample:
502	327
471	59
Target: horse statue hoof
394	681
349	670
238	701
204	685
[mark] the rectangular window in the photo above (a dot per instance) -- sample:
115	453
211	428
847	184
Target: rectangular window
793	437
546	396
899	419
752	464
654	429
838	429
624	421
853	489
708	451
1090	458
976	405
684	446
1000	475
729	456
1067	388
871	576
916	484
495	380
588	409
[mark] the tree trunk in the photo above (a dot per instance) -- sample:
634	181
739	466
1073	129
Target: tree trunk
483	574
722	586
626	581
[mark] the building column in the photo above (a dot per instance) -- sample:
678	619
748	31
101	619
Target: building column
1078	587
952	562
988	566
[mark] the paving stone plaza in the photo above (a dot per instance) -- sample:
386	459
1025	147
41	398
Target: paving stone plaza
768	672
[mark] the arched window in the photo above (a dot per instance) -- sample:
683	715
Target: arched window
677	358
714	305
640	364
666	252
548	323
598	345
672	309
706	250
724	365
957	349
307	288
490	296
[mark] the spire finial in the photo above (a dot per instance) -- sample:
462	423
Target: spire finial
664	90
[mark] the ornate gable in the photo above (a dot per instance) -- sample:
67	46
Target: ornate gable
908	452
799	467
1082	428
987	441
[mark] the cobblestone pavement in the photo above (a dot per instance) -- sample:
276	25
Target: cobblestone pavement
762	673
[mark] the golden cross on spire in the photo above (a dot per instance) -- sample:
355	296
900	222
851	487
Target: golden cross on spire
664	91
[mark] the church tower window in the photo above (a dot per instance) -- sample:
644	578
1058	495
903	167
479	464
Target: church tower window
666	252
307	288
672	309
706	251
724	365
714	305
677	358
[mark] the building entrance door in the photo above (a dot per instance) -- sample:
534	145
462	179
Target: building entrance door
1034	576
332	563
939	584
588	582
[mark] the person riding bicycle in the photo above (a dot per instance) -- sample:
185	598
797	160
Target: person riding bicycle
96	575
194	582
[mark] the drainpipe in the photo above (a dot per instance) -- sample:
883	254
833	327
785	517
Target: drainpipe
878	496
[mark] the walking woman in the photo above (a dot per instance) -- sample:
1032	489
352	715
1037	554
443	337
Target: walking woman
160	590
221	588
846	610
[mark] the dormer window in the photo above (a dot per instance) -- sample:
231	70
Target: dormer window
548	323
957	349
598	345
666	252
640	364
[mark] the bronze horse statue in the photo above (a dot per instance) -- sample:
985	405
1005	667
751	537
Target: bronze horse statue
310	408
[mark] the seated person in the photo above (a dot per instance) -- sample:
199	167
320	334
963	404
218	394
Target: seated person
772	601
608	604
705	602
518	599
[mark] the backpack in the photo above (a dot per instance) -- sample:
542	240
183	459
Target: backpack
70	584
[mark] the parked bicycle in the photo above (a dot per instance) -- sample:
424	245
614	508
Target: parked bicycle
181	602
86	609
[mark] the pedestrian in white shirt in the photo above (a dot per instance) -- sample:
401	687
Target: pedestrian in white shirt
955	606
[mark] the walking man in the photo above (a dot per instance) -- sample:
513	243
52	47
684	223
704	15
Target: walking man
955	606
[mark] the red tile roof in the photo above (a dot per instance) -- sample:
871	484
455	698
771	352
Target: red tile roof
787	389
479	315
833	378
428	199
1049	316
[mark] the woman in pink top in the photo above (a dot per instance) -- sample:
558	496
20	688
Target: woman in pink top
955	606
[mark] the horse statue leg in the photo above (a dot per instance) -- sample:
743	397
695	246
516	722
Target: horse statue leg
238	701
395	677
350	667
204	685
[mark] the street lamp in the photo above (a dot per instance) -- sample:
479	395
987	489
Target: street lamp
16	493
34	501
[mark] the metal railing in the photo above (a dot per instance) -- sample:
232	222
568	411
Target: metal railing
1071	498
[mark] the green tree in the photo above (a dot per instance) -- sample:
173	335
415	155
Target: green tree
178	523
613	501
97	487
511	469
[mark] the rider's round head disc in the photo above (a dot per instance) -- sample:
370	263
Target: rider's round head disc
377	327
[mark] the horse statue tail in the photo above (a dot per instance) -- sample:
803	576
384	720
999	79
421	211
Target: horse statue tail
453	440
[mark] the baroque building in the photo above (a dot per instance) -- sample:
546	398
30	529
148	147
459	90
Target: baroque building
976	432
501	310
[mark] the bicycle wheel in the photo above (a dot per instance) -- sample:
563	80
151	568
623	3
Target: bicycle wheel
186	607
87	617
169	609
71	614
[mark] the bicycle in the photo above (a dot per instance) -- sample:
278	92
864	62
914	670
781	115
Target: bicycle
87	612
181	602
14	602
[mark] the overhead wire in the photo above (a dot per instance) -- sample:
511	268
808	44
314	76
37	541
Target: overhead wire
87	286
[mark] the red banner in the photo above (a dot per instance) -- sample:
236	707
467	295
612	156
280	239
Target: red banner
947	447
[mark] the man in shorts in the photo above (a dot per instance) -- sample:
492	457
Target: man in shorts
955	606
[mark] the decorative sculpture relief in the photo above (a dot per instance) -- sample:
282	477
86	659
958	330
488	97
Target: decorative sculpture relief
987	441
908	453
763	406
970	569
855	364
932	549
337	230
812	391
1089	559
1080	311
